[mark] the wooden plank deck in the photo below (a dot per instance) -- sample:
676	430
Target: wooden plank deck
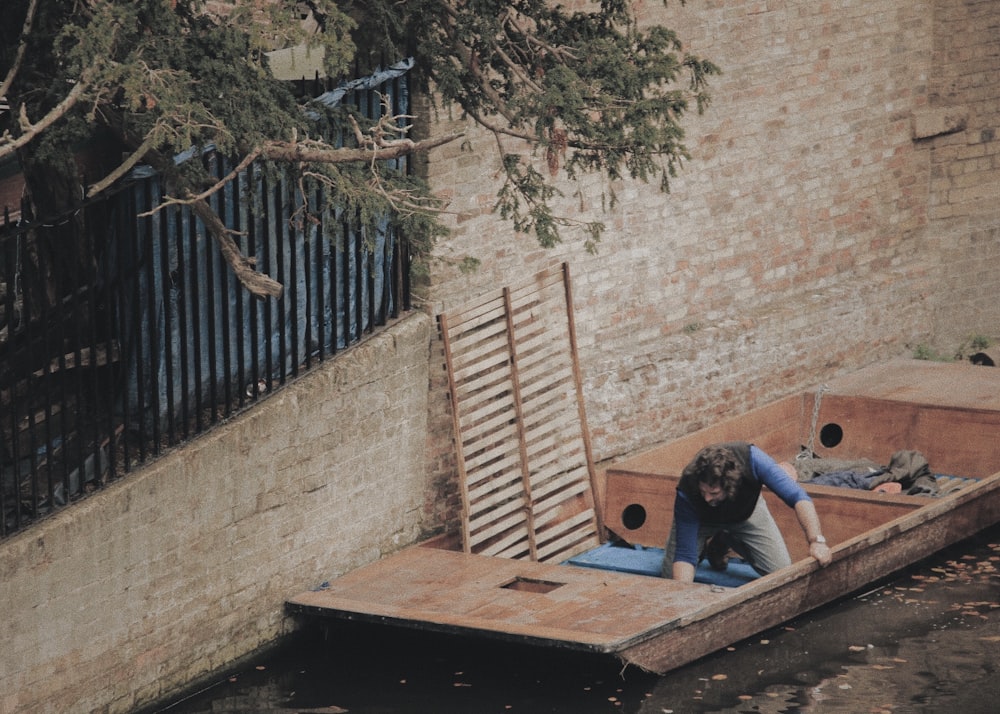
956	385
559	605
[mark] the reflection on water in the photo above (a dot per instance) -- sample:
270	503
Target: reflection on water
925	642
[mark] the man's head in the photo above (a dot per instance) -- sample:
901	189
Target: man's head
718	474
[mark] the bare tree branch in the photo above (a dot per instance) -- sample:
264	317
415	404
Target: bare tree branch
9	145
214	188
314	152
124	167
21	48
256	283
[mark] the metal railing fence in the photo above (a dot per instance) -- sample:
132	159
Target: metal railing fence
123	332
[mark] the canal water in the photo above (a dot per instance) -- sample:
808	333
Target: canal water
925	641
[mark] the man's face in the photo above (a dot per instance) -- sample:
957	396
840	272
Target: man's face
713	495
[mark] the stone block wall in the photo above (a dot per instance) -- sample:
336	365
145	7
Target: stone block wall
839	207
184	565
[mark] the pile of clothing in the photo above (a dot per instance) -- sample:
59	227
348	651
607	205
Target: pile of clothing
907	468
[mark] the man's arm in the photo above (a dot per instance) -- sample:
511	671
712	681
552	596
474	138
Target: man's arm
686	524
809	520
683	572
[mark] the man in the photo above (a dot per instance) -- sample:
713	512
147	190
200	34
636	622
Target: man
720	491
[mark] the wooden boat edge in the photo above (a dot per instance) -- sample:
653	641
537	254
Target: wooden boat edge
813	586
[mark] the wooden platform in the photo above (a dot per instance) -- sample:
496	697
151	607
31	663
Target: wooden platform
557	605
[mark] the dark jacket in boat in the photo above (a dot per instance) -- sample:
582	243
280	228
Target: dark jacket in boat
732	510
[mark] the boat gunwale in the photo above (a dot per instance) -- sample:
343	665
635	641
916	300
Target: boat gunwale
849	549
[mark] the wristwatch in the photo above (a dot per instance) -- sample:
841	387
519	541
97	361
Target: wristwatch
819	539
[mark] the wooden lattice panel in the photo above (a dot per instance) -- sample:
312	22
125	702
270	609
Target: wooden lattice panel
524	458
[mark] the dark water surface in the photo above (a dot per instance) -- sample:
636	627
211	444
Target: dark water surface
926	641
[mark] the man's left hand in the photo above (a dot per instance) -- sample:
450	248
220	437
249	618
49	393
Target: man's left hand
821	552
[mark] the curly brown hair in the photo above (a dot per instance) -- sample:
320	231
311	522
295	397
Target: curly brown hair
716	465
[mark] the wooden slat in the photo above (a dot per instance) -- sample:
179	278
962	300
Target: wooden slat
488	463
519	422
514	545
487	503
498	426
500	516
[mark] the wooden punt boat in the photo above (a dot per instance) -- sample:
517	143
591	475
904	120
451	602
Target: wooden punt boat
949	413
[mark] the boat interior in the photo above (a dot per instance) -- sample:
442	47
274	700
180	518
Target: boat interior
844	422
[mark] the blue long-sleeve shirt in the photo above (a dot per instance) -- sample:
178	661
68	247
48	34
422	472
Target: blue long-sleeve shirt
766	470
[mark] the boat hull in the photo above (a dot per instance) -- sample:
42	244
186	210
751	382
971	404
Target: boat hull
949	413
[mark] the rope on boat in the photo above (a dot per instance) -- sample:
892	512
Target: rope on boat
817	400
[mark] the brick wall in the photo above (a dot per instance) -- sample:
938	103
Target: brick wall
184	565
840	207
964	155
832	215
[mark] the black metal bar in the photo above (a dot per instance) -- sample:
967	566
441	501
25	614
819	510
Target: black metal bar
149	262
41	434
92	311
212	302
183	299
227	213
281	241
359	280
123	235
168	289
267	196
345	284
27	309
139	332
194	278
335	247
319	267
291	279
240	201
115	372
254	183
75	344
8	385
306	227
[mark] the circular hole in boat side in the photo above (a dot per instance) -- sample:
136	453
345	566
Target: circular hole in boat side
634	516
830	435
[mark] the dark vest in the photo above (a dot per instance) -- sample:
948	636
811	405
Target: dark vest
732	510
